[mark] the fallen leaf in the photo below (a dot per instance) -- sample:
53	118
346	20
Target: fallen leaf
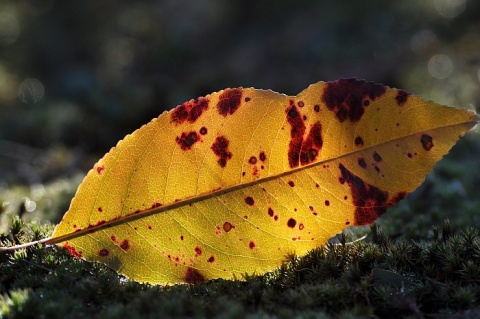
233	182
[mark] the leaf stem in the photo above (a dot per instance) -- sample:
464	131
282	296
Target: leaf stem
12	249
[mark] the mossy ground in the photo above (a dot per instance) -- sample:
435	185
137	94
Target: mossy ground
420	260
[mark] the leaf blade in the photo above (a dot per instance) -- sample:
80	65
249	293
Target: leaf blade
244	177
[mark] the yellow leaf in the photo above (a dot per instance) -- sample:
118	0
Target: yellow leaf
233	182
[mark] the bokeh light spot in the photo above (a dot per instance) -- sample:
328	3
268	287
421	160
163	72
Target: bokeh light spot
31	91
9	29
440	66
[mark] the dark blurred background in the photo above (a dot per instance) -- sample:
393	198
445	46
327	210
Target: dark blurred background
77	76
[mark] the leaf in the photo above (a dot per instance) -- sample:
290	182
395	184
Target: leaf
233	182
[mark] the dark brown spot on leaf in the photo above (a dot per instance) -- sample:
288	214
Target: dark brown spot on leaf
211	259
370	201
291	223
312	144
203	130
125	245
229	101
327	203
100	209
252	160
297	131
220	148
198	251
362	163
344	97
270	212
104	252
262	156
156	204
291	183
247	99
227	226
186	140
301	226
358	141
427	142
251	245
397	198
193	276
316	108
402	97
377	157
189	111
249	200
300	104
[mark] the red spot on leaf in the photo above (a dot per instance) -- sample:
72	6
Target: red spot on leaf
300	104
181	237
301	226
345	97
370	201
247	99
100	209
149	227
291	223
229	101
114	238
100	169
198	251
193	276
125	245
297	131
189	111
220	148
427	142
227	226
251	245
249	200
72	251
186	140
402	97
104	252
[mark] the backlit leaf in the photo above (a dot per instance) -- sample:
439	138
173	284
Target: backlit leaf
233	182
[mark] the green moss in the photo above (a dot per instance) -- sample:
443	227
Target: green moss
377	277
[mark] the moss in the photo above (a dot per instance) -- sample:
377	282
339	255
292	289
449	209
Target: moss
377	277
